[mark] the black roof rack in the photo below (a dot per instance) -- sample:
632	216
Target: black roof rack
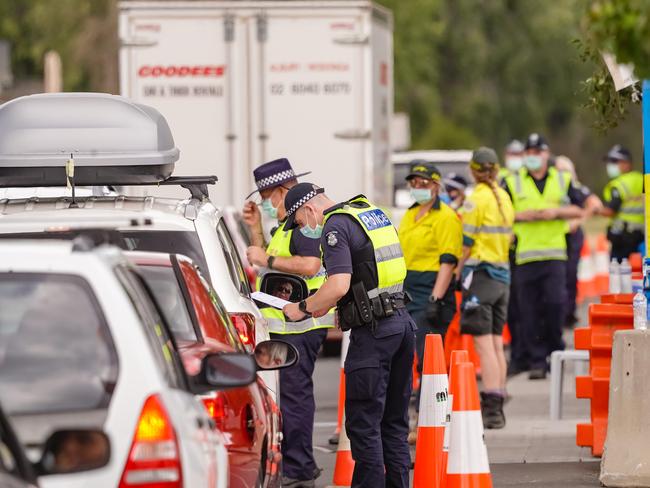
197	185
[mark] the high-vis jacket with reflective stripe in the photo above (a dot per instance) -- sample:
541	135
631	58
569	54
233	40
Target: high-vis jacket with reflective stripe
542	240
487	223
630	187
280	246
388	256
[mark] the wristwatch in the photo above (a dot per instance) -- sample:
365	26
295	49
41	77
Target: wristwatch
269	262
433	299
302	306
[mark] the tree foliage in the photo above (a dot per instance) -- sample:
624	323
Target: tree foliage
620	27
467	72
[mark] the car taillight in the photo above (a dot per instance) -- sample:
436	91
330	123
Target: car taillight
216	407
154	459
245	325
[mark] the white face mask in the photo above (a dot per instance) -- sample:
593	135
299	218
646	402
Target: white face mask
533	162
613	171
514	163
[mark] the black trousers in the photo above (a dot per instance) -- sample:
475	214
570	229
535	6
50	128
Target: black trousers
378	377
542	300
297	405
574	243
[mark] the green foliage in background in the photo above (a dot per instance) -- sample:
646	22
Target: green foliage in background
467	72
620	27
474	72
84	32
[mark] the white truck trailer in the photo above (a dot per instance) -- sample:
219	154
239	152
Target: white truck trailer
245	82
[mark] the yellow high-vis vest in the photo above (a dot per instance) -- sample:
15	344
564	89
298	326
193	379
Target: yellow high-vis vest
280	246
540	240
389	259
630	187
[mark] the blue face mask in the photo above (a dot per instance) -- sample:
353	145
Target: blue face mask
269	209
445	198
312	232
421	195
533	163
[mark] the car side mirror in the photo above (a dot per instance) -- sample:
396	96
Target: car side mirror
285	286
275	354
73	451
228	370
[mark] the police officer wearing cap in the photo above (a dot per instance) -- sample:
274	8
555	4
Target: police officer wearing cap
623	199
543	199
365	275
488	218
290	252
431	235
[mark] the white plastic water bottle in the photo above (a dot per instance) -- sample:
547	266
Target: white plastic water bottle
614	276
626	276
640	306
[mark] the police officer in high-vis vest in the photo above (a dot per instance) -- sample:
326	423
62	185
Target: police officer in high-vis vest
365	276
623	199
543	199
290	252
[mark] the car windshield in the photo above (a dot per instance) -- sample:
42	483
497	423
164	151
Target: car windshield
166	290
56	353
170	242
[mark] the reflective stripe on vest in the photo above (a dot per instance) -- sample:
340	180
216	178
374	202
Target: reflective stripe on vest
487	229
277	324
391	267
539	240
280	246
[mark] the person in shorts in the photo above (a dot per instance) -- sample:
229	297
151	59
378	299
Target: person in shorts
488	217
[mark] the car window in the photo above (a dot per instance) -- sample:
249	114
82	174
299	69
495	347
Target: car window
53	338
235	267
12	458
156	332
166	289
210	312
170	242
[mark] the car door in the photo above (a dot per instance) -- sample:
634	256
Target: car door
244	408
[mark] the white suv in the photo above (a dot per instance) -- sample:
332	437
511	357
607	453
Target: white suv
193	227
82	346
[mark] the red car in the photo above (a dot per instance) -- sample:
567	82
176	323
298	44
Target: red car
247	416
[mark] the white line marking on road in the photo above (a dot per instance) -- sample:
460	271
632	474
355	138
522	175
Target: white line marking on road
325	424
324	449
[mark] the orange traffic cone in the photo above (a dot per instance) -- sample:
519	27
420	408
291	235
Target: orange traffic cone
468	465
586	274
345	343
456	357
344	466
601	263
433	413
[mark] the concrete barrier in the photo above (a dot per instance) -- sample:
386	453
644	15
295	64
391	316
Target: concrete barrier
626	459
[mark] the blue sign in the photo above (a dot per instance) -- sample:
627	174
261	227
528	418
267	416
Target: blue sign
374	219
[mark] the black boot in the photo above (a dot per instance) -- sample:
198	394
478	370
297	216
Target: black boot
492	411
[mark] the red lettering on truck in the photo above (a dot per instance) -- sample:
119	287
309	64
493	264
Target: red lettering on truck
169	71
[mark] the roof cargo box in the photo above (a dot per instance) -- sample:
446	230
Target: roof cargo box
112	140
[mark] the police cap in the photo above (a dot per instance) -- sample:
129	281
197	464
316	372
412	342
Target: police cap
515	146
618	153
536	141
295	198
